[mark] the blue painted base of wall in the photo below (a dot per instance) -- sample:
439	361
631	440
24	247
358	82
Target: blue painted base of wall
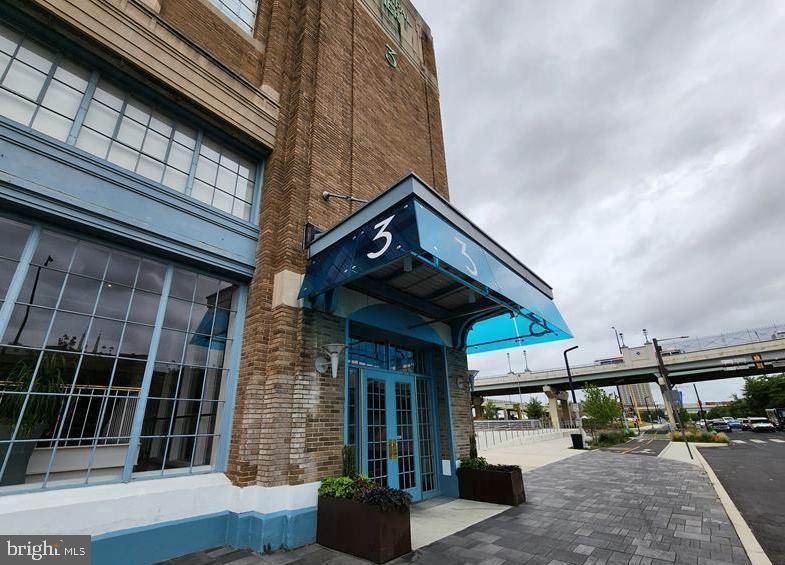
165	540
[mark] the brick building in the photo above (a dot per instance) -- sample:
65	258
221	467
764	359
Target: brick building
227	252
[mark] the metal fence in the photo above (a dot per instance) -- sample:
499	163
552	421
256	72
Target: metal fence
507	424
80	417
741	337
489	437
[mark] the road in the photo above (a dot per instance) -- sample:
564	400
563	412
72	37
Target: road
643	445
752	470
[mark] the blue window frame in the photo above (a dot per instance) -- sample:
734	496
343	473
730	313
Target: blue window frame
46	91
113	365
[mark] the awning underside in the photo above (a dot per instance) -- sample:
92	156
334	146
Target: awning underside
408	254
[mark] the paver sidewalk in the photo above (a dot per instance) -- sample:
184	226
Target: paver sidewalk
601	507
594	508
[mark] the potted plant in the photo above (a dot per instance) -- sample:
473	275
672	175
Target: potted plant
356	516
499	484
40	414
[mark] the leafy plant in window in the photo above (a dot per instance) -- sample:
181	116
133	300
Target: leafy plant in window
40	413
348	460
42	410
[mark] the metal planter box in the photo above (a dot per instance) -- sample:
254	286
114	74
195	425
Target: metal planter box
362	530
498	487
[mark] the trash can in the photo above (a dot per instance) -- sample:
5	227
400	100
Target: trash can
577	441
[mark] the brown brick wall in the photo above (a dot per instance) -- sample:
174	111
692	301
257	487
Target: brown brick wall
206	26
350	124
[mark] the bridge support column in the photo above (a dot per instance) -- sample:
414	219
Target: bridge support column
558	408
477	405
667	398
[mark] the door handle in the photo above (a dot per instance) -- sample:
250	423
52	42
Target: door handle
392	448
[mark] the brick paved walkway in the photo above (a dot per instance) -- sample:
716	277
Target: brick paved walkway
595	508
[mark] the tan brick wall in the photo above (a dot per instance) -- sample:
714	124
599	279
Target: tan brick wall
460	404
349	124
204	24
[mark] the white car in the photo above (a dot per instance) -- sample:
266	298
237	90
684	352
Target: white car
761	425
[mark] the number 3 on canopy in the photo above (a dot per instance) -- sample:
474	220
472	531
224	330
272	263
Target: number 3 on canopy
382	233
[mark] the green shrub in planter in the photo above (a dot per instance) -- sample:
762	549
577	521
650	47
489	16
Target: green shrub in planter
485	482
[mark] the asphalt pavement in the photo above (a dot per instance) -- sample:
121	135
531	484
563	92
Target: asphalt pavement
641	445
752	470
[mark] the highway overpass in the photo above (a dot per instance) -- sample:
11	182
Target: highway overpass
639	364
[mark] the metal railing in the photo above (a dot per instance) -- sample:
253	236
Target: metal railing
507	424
80	417
741	337
489	437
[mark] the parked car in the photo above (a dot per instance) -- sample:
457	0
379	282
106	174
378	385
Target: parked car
720	425
760	424
745	423
777	417
734	424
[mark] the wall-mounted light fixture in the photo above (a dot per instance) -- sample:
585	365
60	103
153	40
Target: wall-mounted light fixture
326	195
328	358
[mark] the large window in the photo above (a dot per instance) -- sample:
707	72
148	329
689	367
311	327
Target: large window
41	89
241	12
80	337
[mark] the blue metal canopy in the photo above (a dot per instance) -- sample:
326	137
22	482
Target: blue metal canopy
411	247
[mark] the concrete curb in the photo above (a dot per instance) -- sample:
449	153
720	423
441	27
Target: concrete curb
748	540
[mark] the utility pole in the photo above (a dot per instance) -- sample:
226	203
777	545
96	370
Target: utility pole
700	407
664	374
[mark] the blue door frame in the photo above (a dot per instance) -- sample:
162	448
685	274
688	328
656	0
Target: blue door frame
401	427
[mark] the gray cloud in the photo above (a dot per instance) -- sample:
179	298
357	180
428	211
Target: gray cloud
629	152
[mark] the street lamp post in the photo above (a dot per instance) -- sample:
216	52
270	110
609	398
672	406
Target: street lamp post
569	374
618	342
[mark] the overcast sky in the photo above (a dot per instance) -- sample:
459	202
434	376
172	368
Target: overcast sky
631	153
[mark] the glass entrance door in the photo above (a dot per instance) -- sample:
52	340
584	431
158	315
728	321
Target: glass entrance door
390	445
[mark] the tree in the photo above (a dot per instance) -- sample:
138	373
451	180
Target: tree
489	410
534	409
601	408
518	412
764	392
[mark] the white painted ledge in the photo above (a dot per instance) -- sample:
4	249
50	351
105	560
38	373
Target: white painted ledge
106	508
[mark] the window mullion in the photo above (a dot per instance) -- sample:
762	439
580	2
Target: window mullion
83	106
11	60
15	287
225	430
141	404
40	98
192	171
257	193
